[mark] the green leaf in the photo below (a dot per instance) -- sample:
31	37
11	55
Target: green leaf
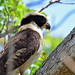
16	30
33	70
1	2
37	63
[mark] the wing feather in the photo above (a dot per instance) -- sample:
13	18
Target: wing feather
20	48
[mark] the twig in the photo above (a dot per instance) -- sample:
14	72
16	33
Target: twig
47	5
8	17
2	27
10	31
6	9
51	2
66	3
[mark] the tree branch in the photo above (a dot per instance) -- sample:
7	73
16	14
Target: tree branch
8	17
47	5
10	31
52	2
2	27
62	60
66	3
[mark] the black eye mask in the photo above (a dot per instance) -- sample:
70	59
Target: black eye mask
38	19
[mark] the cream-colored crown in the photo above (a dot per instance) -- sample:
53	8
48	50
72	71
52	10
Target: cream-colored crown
33	13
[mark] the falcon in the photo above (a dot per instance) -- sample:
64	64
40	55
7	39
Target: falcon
25	46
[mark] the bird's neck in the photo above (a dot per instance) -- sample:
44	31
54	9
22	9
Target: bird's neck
32	26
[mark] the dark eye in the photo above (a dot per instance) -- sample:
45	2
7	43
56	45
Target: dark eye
43	19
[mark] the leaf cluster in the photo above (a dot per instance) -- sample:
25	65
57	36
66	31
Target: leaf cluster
11	13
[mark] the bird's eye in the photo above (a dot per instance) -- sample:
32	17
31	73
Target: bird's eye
43	20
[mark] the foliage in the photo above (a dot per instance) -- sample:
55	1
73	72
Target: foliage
50	43
11	13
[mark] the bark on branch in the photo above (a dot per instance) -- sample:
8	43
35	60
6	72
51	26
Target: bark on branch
10	31
62	60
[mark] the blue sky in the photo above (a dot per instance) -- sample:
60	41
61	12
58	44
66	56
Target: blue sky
60	14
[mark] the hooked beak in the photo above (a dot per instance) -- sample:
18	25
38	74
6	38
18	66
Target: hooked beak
48	26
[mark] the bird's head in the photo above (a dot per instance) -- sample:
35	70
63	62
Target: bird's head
36	17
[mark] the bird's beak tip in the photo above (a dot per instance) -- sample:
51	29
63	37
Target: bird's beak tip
48	26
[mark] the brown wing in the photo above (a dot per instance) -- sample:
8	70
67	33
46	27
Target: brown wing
19	48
